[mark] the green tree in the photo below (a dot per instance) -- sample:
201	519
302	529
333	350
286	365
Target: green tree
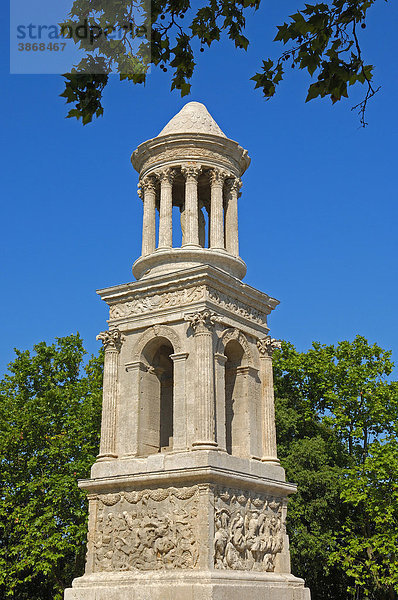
50	403
337	420
322	38
337	416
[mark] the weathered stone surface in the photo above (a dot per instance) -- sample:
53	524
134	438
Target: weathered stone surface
187	499
192	118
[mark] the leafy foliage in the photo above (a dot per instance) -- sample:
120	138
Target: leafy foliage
336	413
322	38
49	426
337	418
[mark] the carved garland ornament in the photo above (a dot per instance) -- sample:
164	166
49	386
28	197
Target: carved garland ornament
239	308
249	530
147	530
157	302
144	303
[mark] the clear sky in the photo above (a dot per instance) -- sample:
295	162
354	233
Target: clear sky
318	212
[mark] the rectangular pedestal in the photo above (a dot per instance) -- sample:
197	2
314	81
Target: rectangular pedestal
188	586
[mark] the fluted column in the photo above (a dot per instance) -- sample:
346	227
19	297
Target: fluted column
203	323
217	178
266	348
191	174
231	217
166	177
147	188
112	341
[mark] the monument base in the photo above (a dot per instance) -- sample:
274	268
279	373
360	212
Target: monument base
201	585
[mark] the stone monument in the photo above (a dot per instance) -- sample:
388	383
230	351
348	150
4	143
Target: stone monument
187	499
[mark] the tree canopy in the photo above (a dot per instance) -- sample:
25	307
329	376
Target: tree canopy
337	420
322	38
337	424
50	404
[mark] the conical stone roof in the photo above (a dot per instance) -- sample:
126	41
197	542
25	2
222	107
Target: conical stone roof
192	118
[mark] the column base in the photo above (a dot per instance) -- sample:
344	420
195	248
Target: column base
271	459
103	457
204	445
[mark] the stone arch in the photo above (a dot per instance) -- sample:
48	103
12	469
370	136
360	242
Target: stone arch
161	331
156	397
237	335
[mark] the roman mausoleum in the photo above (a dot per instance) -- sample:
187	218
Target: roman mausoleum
187	498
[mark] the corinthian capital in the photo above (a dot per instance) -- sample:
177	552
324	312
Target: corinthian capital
111	340
149	183
218	176
267	346
166	174
234	184
191	171
202	322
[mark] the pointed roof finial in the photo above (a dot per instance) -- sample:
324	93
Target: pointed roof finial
192	118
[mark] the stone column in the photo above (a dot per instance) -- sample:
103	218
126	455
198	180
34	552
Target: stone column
202	323
191	174
266	348
147	187
231	217
179	401
220	400
130	410
217	178
166	177
112	341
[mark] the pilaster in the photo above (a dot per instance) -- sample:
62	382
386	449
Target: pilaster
202	324
112	341
266	348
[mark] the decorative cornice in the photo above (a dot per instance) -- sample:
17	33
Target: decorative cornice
267	346
111	340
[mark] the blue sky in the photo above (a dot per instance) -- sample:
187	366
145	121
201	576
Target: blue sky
318	213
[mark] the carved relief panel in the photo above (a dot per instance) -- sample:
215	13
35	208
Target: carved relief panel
147	530
249	530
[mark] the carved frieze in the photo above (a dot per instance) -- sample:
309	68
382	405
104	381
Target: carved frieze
143	303
146	303
239	308
249	530
147	530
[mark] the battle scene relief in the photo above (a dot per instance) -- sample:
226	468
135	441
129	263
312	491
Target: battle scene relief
249	530
147	530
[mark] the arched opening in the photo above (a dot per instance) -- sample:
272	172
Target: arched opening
156	402
235	420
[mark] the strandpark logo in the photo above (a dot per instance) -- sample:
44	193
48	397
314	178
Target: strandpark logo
43	40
